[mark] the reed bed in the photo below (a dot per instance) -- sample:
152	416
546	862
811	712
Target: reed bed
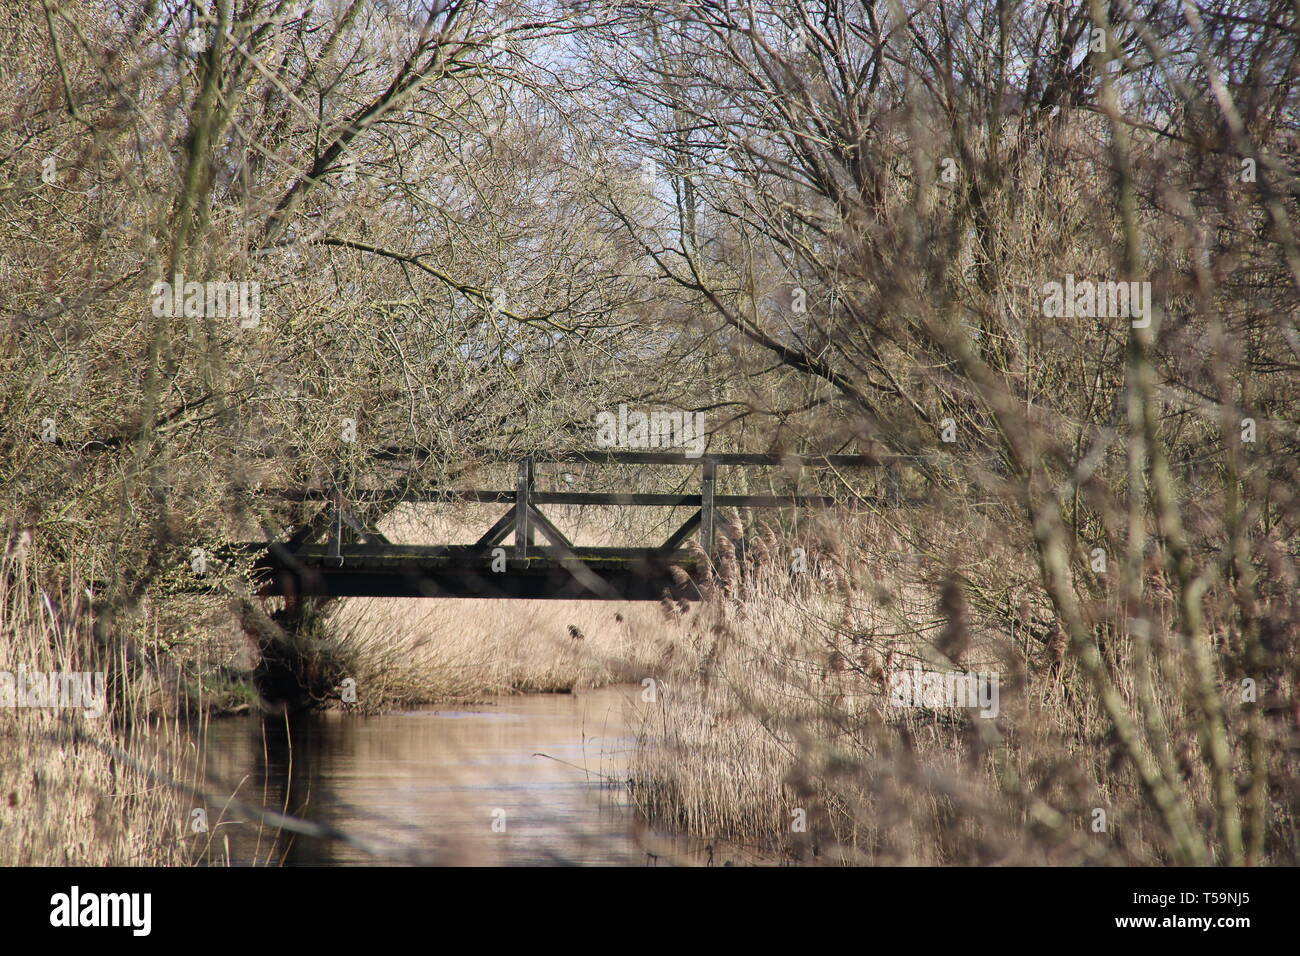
777	732
79	790
402	652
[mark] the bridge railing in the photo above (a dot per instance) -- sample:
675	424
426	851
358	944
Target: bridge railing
376	567
525	520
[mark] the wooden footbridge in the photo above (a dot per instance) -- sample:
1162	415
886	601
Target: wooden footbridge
355	560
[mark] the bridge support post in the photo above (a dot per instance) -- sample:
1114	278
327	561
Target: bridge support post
524	533
706	505
533	523
336	528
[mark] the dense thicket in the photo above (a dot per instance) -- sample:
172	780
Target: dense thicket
832	226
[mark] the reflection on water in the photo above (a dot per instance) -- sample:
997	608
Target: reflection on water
517	780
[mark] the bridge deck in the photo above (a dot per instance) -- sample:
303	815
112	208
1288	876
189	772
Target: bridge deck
362	570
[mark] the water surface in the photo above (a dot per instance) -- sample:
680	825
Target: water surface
530	779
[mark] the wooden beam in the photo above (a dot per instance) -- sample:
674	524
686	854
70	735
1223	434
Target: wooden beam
497	533
593	498
681	534
532	512
523	533
607	457
552	533
366	533
336	527
706	506
561	549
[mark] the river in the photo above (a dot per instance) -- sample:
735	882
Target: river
533	779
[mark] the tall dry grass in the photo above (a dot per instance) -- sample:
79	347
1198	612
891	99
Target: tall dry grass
403	652
776	733
75	789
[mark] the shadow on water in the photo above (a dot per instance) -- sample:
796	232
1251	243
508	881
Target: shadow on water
533	779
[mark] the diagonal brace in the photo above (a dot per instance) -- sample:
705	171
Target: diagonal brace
572	563
497	533
548	529
681	534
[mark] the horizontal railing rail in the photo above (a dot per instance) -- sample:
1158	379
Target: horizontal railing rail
383	496
609	457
